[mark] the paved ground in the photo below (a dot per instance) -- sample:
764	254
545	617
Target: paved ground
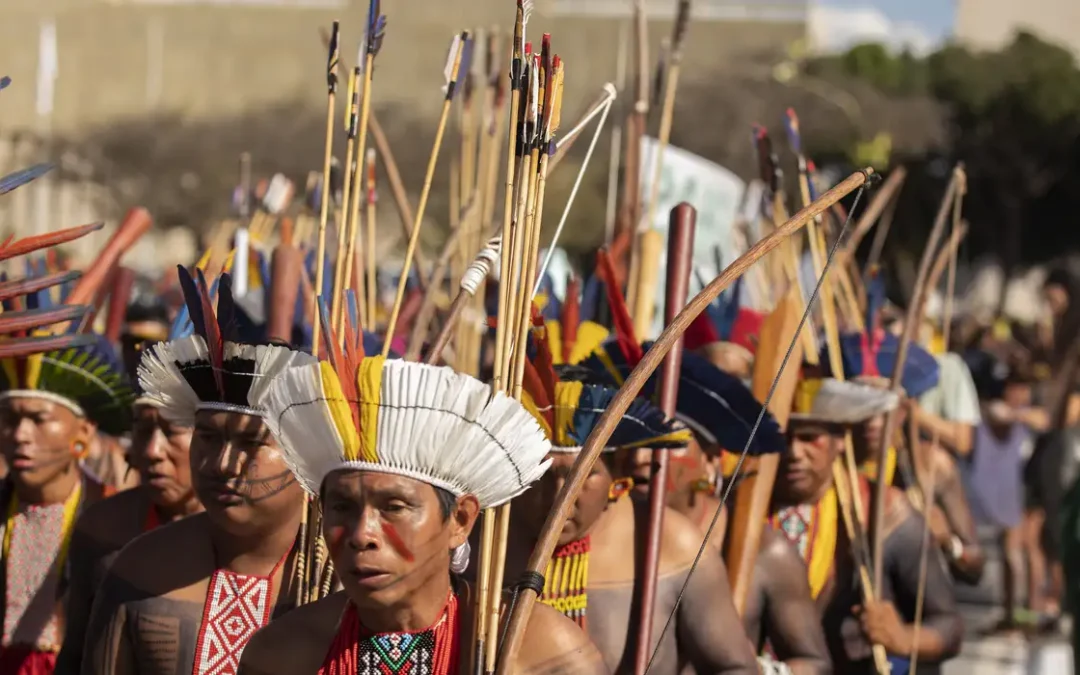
982	655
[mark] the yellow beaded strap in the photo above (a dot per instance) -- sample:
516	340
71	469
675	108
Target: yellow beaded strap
566	580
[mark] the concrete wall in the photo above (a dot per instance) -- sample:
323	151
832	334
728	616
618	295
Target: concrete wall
122	58
991	24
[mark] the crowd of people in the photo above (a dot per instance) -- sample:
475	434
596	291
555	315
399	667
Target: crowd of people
162	492
246	469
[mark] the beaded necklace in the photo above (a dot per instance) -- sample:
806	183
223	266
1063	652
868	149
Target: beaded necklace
236	606
566	580
356	650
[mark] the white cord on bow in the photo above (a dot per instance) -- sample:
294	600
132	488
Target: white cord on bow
481	266
604	109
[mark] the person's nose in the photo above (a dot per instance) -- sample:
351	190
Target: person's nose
367	534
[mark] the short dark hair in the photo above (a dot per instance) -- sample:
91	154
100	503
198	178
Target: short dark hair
447	502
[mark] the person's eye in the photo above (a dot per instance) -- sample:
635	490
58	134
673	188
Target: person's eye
338	506
395	506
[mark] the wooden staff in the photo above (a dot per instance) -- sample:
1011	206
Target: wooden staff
135	224
119	296
552	71
514	152
754	493
679	262
947	256
883	196
667	115
911	323
457	51
487	594
327	188
628	392
393	176
346	228
635	129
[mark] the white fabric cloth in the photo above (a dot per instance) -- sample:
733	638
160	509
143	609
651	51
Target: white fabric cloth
954	398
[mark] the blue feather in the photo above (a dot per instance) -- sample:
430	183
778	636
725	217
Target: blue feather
717	405
226	310
5	82
19	178
590	298
192	300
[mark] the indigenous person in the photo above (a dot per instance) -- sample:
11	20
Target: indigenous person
186	597
159	455
403	457
807	510
608	523
713	403
51	406
870	358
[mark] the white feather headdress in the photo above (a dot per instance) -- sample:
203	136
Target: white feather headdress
425	422
180	377
837	402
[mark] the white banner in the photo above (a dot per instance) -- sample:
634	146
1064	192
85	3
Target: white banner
48	68
714	191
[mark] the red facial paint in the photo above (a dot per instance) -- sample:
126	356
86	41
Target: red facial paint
396	541
334	539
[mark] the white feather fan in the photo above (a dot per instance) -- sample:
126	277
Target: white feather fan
166	387
839	402
434	425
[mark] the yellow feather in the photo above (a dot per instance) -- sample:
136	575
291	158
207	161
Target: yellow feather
529	404
567	395
554	336
339	410
33	371
590	336
369	385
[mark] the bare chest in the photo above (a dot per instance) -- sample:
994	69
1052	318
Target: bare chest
613	618
201	629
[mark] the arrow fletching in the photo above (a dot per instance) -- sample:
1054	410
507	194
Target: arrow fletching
333	58
20	178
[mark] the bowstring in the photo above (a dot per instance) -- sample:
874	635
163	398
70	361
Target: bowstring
757	423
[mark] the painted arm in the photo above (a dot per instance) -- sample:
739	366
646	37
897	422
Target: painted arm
791	621
710	634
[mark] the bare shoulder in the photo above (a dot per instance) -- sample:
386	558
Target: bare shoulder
109	521
142	562
555	645
296	642
681	542
776	551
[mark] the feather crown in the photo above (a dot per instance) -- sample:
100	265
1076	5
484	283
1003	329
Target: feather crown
833	401
568	409
571	339
716	405
78	370
23	332
873	353
214	368
429	423
87	378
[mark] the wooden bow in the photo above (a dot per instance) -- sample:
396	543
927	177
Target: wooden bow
564	501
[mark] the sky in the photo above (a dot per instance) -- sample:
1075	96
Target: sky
919	24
